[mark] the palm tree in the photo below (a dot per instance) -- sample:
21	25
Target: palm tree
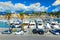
21	15
8	15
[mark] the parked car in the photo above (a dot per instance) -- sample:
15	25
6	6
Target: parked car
19	32
39	31
55	31
7	32
34	31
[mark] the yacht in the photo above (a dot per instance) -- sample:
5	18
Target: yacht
40	23
32	24
48	26
25	23
16	22
54	24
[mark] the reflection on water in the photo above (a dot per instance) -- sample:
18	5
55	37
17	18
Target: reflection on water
3	24
57	19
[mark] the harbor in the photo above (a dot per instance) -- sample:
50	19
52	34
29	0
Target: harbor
29	19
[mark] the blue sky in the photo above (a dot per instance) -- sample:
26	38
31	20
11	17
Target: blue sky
30	5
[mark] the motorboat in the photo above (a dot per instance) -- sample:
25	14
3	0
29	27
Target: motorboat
54	24
25	24
48	26
32	24
40	24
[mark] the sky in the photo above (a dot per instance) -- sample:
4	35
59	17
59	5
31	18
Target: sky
29	5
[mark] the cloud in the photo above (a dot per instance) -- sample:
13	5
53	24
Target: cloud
56	9
57	2
8	6
36	7
19	6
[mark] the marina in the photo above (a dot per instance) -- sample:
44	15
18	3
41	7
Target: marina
30	24
29	19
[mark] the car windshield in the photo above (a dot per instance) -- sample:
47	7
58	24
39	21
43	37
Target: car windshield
56	30
6	31
40	30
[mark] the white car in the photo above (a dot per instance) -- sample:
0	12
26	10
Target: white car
19	32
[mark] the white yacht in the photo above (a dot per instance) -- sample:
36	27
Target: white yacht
25	23
32	24
16	22
40	24
55	25
48	26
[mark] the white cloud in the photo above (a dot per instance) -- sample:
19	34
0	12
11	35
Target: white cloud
5	6
37	7
57	2
19	6
56	9
8	6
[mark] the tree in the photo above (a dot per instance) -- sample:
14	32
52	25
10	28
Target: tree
21	15
8	15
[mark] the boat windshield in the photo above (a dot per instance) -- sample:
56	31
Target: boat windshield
32	24
54	24
39	24
25	23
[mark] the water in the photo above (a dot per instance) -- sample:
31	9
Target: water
3	24
57	19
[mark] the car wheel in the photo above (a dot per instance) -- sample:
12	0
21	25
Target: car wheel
34	31
40	33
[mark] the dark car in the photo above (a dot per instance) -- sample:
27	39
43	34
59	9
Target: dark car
34	31
40	31
55	31
7	32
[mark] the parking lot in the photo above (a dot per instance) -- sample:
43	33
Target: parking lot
30	37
